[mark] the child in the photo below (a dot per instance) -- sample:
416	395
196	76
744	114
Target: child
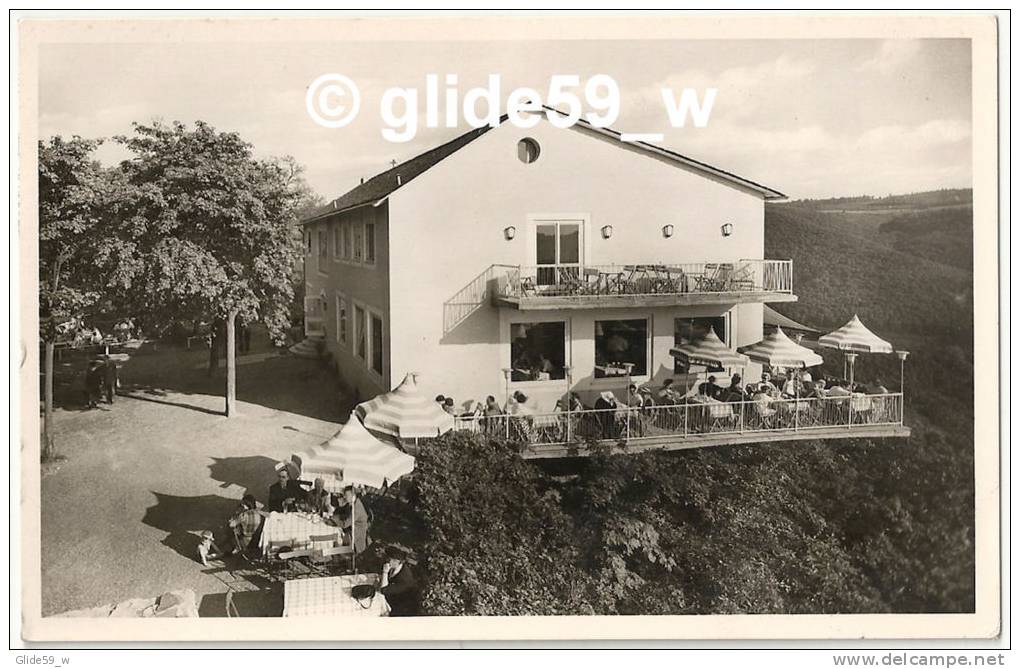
207	549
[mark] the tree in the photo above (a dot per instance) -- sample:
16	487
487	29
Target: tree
214	230
82	257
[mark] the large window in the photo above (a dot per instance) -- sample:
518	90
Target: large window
360	336
323	240
308	242
687	330
370	242
619	345
341	319
338	245
377	344
537	351
557	252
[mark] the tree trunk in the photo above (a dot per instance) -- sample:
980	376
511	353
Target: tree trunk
48	449
231	408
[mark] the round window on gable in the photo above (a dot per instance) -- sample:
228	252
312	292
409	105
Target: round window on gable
527	150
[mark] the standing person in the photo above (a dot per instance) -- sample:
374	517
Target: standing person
94	376
109	378
353	520
398	584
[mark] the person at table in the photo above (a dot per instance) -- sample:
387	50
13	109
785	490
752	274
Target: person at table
286	492
398	584
320	500
637	400
668	393
818	390
352	518
449	406
839	389
735	392
768	386
246	523
792	387
710	388
876	388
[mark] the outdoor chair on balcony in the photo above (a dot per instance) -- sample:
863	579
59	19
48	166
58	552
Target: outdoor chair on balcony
861	406
762	415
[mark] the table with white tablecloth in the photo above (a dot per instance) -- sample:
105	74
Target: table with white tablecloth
332	597
296	530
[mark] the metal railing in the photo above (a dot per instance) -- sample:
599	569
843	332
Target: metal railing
682	421
743	276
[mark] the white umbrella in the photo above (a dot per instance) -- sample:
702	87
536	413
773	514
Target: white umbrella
355	457
405	412
854	338
778	350
709	351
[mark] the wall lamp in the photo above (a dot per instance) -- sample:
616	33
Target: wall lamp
727	229
607	231
509	232
667	230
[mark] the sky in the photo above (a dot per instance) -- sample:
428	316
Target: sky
810	118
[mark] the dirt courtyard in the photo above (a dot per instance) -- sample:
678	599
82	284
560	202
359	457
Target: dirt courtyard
143	476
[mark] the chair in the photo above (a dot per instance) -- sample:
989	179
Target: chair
230	607
322	560
292	558
763	414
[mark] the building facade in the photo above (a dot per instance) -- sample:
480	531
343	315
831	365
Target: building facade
537	260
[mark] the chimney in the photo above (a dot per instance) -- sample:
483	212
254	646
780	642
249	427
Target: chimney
362	179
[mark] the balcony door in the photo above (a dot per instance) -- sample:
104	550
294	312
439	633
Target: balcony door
558	251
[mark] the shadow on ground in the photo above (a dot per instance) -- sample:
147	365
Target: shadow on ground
253	473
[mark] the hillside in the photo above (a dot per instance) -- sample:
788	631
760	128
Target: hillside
906	273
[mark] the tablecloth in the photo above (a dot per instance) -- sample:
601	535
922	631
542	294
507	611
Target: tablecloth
332	597
295	530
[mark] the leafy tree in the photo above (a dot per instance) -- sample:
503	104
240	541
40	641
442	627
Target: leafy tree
214	230
84	259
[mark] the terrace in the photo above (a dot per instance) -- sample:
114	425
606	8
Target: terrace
576	286
695	425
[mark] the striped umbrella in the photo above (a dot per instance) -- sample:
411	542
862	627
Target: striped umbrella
354	457
405	413
778	350
709	351
855	337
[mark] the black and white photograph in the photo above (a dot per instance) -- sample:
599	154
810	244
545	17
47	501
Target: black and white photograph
328	322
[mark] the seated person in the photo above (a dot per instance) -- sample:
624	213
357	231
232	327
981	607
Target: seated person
449	406
734	393
839	389
285	490
246	523
668	394
441	400
207	549
319	500
398	584
352	518
769	387
818	390
877	388
637	400
492	407
792	387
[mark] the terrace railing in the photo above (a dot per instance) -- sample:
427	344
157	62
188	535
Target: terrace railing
684	421
743	276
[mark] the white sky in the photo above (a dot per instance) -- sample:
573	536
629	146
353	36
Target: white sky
811	118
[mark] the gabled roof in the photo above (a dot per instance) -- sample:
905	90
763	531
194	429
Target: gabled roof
383	184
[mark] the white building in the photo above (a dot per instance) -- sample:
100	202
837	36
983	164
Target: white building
497	261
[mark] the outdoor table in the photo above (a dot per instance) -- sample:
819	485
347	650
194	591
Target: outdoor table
332	597
293	529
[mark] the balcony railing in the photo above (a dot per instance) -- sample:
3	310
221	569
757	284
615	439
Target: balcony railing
681	422
743	276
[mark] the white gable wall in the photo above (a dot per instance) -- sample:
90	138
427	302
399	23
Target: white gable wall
447	226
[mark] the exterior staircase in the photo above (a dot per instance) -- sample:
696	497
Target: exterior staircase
308	347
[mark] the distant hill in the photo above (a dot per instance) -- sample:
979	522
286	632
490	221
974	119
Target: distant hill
947	197
901	272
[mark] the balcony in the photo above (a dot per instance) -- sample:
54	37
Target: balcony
683	426
642	285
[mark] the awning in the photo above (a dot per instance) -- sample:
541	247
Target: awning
405	413
353	456
709	351
773	319
778	350
855	337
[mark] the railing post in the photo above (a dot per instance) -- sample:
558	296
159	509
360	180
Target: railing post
685	407
742	403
